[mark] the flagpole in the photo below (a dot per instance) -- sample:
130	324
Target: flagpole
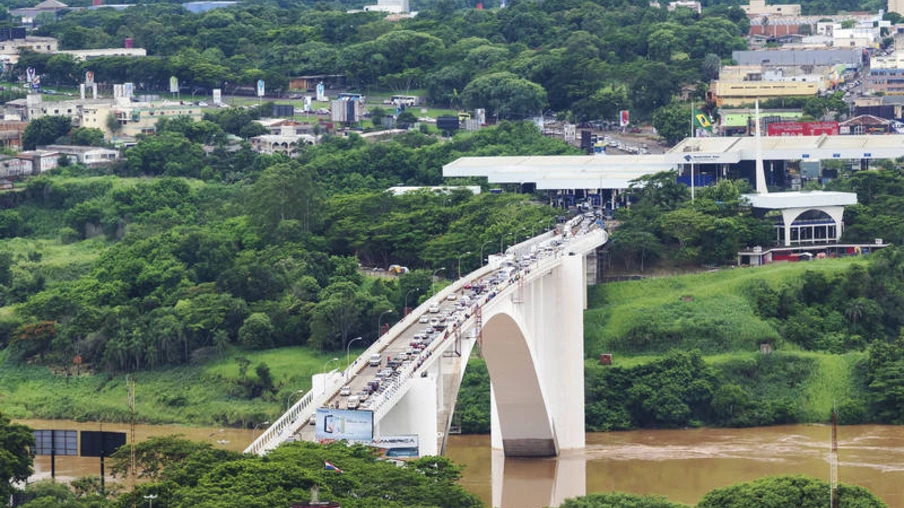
693	135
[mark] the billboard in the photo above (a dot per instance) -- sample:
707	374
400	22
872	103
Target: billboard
348	424
217	96
321	93
56	442
260	88
802	129
89	78
101	444
623	118
173	84
397	447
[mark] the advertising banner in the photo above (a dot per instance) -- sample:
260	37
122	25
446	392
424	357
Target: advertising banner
129	90
217	96
173	84
623	118
397	447
307	104
802	129
260	88
89	78
30	75
321	93
347	424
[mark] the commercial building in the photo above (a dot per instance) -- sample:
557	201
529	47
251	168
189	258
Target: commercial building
27	15
389	6
759	8
130	118
850	58
738	93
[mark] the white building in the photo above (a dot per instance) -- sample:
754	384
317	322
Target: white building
87	155
389	6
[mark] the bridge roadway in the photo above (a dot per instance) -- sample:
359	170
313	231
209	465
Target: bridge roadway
460	326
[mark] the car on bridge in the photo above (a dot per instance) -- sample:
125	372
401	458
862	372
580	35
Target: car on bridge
345	391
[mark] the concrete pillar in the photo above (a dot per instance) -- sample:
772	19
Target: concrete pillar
415	413
567	387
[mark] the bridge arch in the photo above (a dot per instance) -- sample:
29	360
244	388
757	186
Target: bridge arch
521	406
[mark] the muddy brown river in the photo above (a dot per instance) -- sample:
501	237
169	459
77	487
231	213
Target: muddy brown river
680	464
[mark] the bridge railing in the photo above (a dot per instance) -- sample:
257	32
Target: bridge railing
296	417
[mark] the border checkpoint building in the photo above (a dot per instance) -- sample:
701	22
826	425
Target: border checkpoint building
809	220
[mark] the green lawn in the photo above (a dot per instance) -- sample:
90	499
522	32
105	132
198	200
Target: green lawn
192	395
714	302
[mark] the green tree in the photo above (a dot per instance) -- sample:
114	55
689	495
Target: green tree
619	500
505	95
672	122
285	191
785	491
16	443
87	136
45	131
257	331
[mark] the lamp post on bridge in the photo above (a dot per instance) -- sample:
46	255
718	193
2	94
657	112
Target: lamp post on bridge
459	262
481	250
379	320
324	373
433	281
405	310
290	397
347	349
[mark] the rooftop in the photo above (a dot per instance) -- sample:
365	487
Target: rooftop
801	199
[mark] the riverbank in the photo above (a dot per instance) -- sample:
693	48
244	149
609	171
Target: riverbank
208	394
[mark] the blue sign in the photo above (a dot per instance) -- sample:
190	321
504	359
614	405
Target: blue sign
260	88
836	155
347	424
867	154
805	156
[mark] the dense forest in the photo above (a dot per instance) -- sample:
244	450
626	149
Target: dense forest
234	248
589	58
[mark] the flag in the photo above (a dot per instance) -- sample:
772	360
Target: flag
330	467
702	120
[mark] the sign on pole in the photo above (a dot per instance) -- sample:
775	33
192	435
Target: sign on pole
173	84
89	78
623	118
321	95
260	88
217	96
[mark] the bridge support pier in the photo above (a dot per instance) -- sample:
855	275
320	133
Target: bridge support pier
547	482
415	413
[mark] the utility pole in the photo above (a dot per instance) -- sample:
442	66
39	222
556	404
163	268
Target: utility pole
833	503
133	463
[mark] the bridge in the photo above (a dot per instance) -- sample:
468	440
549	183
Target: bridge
523	311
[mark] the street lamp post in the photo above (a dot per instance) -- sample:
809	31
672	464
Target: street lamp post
502	245
151	498
259	425
379	320
292	395
406	299
347	349
481	250
433	281
459	262
324	373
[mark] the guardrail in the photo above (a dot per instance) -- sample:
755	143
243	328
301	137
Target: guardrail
294	418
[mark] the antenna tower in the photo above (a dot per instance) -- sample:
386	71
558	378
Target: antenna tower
133	468
834	459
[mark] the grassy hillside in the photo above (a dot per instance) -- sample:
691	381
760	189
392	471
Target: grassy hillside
707	311
210	394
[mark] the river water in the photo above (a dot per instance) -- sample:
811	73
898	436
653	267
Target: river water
680	464
685	464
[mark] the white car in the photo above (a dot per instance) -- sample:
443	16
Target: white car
345	391
452	297
423	319
434	322
434	309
